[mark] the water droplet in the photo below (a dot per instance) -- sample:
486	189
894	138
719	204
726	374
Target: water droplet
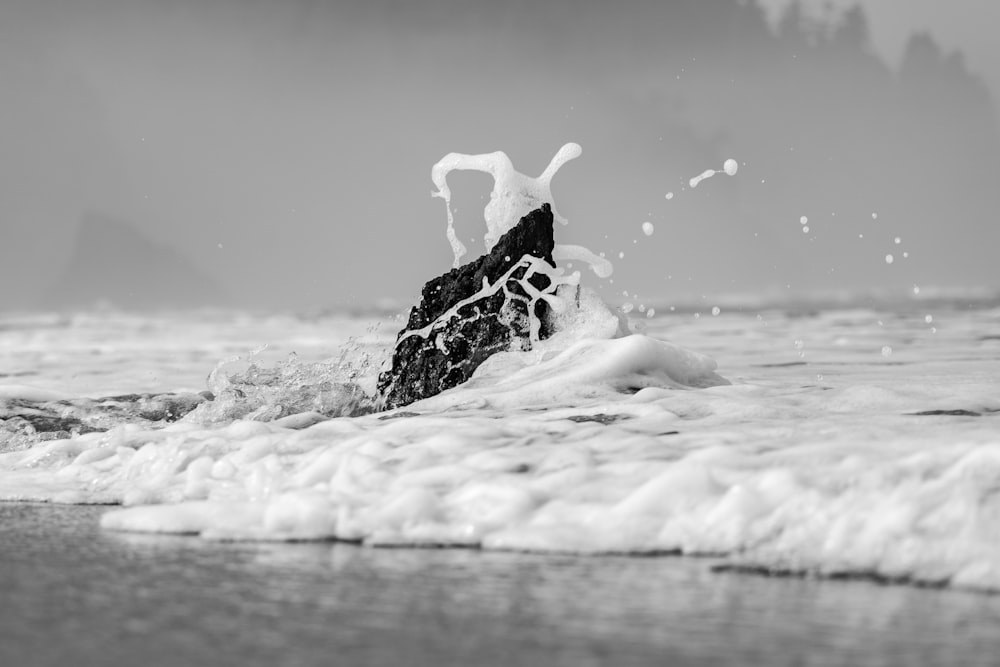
861	236
803	220
647	228
805	230
888	259
730	166
697	316
819	377
621	255
799	344
670	195
220	246
905	255
886	351
627	307
933	329
874	216
916	289
928	318
650	312
897	240
716	310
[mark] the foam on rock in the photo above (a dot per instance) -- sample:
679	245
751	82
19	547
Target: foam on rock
499	302
514	194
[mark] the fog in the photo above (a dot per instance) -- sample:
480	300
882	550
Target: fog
282	151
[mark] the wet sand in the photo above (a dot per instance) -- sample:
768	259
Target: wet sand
75	595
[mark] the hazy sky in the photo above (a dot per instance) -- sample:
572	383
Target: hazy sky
286	147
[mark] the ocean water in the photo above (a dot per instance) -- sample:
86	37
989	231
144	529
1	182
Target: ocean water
853	439
845	446
829	442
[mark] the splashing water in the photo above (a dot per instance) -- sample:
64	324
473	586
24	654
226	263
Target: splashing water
514	194
729	168
594	441
338	387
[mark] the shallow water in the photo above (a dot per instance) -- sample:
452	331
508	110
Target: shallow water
859	442
73	594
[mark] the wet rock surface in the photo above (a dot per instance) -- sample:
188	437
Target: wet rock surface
425	365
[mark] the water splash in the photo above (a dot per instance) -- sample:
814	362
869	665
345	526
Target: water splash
729	168
332	388
514	194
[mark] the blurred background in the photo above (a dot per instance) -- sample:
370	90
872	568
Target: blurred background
277	155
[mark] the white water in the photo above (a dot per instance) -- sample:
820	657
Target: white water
805	452
811	460
514	195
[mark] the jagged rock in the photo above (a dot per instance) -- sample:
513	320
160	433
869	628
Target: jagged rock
451	351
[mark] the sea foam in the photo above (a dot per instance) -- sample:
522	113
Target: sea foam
823	457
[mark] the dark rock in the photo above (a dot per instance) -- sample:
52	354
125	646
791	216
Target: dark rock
450	352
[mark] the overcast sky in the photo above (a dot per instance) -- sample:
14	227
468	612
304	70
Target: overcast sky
286	147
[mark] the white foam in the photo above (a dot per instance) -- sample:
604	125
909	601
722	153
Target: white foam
532	265
600	441
514	194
